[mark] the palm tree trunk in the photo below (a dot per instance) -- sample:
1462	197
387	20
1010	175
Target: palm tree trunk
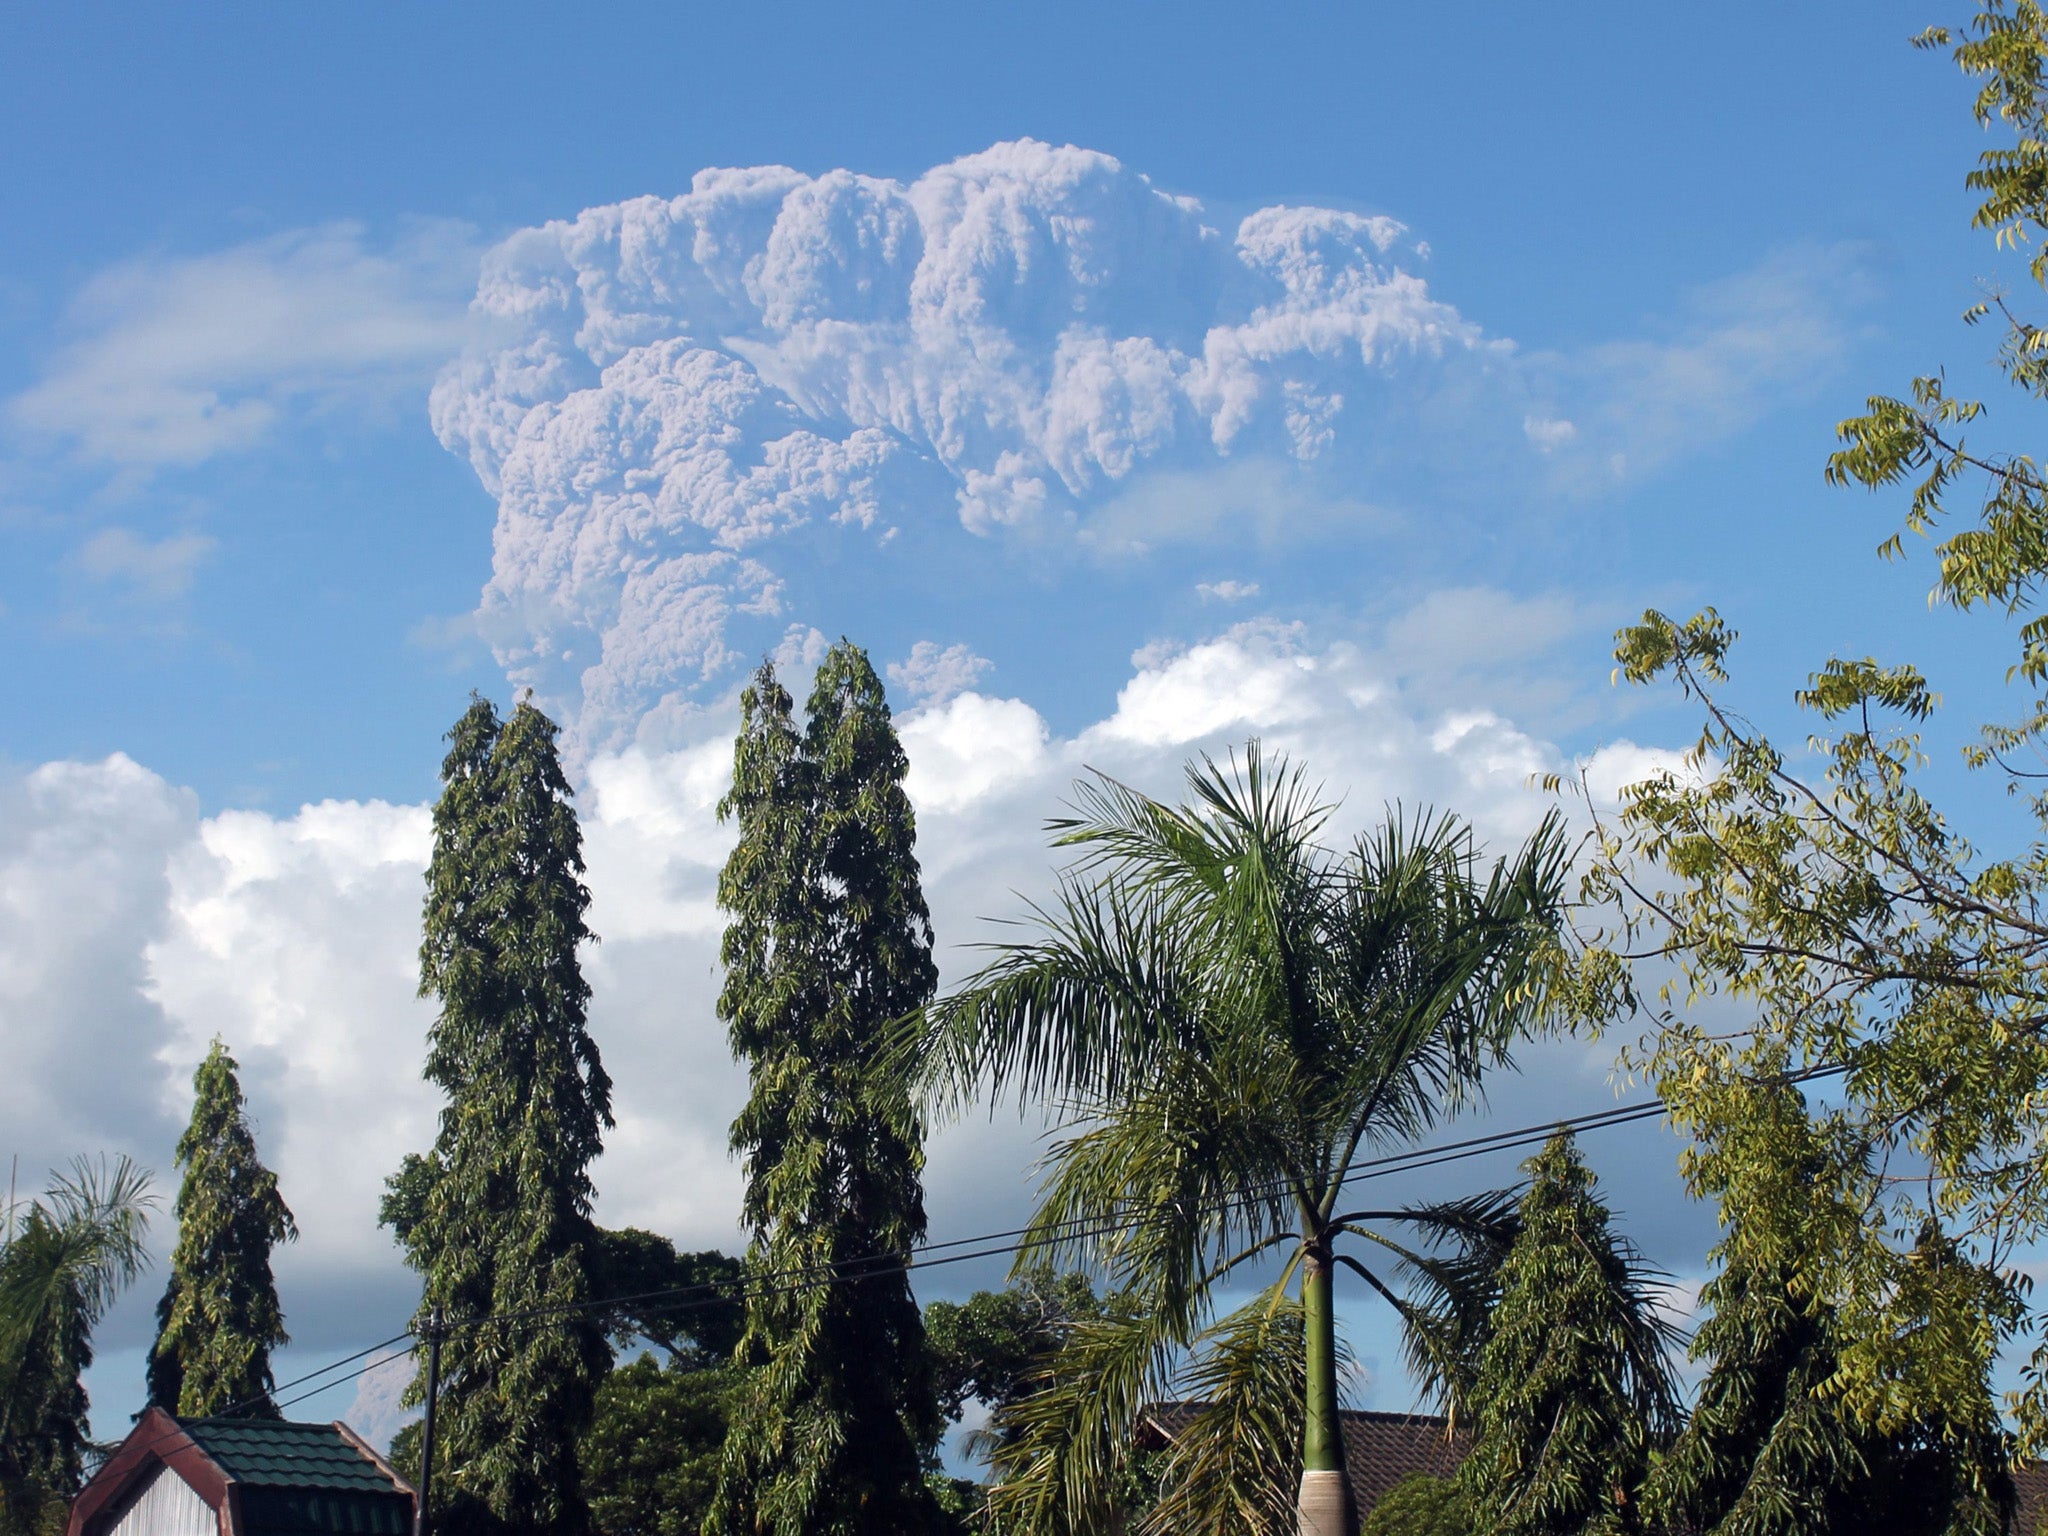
1324	1507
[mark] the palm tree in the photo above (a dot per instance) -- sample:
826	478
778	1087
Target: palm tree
62	1263
1227	1014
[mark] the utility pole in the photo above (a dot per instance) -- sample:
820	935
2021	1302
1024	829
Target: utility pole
421	1518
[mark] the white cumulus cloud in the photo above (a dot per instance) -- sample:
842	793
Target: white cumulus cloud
84	889
137	930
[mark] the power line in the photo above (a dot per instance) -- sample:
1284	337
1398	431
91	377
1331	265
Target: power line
342	1381
251	1402
708	1293
699	1297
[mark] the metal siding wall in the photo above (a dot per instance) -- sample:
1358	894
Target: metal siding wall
167	1506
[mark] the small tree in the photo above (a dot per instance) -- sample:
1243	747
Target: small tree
1773	1447
1419	1505
219	1318
1574	1388
496	1218
829	941
62	1262
652	1453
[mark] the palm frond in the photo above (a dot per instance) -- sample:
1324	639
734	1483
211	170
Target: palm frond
1062	1454
61	1269
1162	1193
1077	1015
1234	1464
1450	1274
78	1247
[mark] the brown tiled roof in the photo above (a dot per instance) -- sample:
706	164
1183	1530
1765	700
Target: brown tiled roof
2030	1482
1380	1449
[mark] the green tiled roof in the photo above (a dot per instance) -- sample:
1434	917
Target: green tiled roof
262	1453
302	1479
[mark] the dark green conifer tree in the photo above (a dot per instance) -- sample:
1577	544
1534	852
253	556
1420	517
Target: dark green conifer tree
1765	1452
1771	1451
828	941
219	1318
1574	1386
496	1218
1771	1447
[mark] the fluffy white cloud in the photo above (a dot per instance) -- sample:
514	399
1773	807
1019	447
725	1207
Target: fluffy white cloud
684	406
84	889
932	675
294	939
137	930
672	388
172	360
1617	765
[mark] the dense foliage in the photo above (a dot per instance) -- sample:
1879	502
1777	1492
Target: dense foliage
1419	1505
828	943
991	1352
1574	1390
496	1217
991	1348
687	1304
1229	1012
652	1453
1844	921
219	1317
63	1260
1770	1450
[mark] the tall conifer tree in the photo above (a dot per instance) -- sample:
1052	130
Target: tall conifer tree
1574	1386
1771	1450
219	1318
1773	1447
828	941
497	1216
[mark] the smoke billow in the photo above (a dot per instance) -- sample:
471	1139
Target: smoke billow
671	397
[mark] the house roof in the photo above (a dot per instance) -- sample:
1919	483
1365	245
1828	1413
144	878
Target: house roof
2030	1486
269	1453
1380	1449
260	1477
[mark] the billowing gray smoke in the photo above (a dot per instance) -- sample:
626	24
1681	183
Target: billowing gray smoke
666	393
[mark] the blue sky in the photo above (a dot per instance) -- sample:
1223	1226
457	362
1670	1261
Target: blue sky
1534	320
1576	183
